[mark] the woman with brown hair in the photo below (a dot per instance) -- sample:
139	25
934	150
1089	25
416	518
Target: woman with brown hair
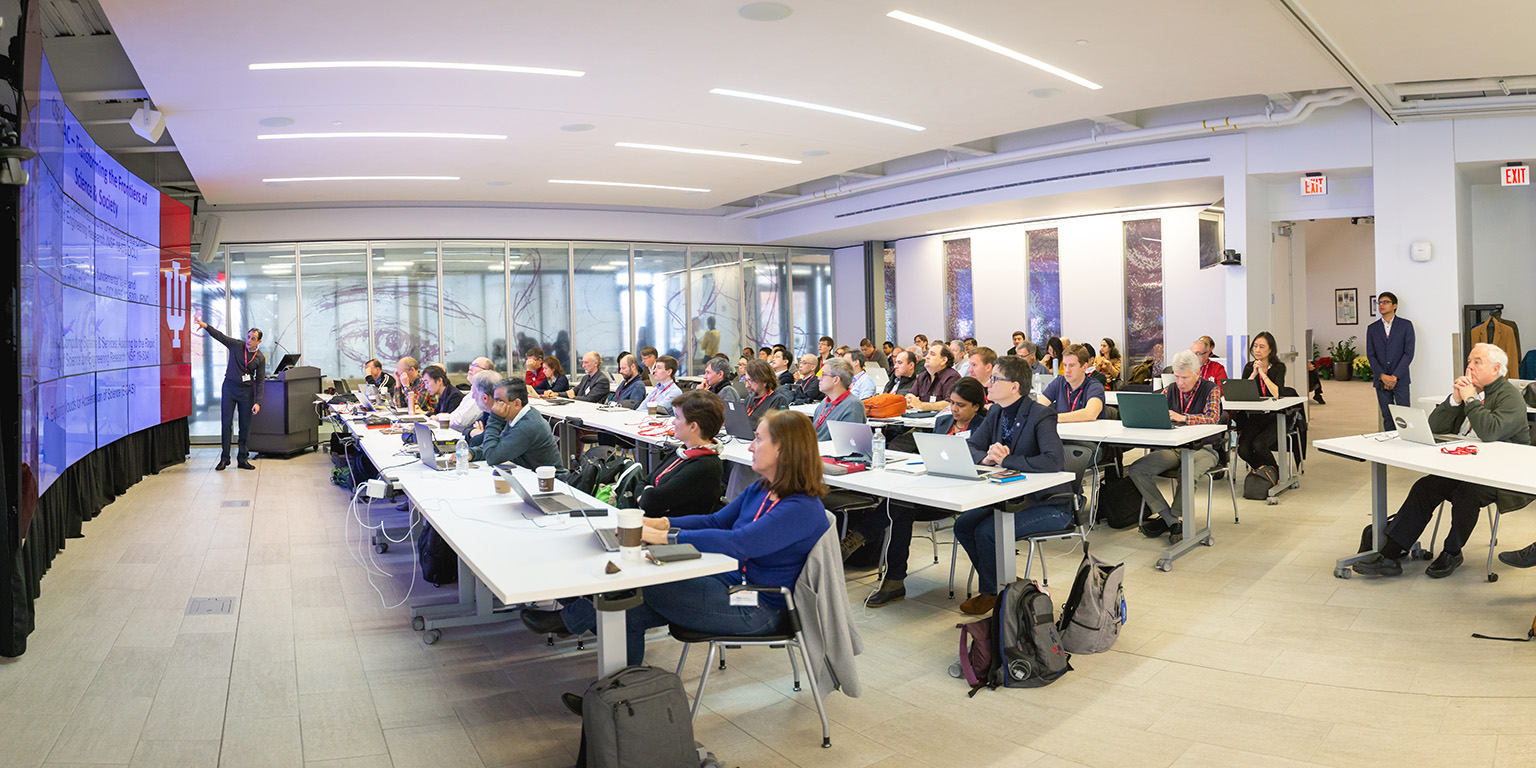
770	528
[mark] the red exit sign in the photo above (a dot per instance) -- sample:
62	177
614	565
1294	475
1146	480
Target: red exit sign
1515	176
1314	184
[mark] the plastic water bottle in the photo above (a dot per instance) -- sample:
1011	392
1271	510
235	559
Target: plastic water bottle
461	457
877	447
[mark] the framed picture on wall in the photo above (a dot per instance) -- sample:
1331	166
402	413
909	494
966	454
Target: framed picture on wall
1346	306
1372	305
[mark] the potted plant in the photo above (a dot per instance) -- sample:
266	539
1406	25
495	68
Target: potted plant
1343	354
1363	368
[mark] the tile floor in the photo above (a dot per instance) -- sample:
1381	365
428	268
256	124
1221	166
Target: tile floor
1248	654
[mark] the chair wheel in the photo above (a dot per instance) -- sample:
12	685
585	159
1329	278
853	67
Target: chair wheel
382	547
1342	573
418	623
432	636
1165	565
1493	577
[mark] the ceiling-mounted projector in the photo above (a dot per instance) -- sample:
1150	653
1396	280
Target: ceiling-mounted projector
148	123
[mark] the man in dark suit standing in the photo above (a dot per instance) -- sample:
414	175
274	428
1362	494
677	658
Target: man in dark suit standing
243	380
1389	347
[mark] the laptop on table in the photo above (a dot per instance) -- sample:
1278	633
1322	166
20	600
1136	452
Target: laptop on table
737	423
553	503
1242	390
1413	426
426	447
949	456
1144	410
852	439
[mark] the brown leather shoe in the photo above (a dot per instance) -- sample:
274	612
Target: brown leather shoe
851	544
979	605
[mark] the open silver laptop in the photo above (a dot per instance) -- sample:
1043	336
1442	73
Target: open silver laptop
554	503
850	438
426	447
1413	426
949	456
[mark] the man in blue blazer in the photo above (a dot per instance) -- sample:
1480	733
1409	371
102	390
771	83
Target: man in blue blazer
1019	434
1389	347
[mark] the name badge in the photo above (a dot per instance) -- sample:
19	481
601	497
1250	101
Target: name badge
933	398
246	378
744	599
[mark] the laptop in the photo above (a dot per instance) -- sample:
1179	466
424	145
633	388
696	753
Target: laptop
852	439
553	503
949	456
607	538
341	386
289	360
1241	390
1144	410
426	447
1413	426
737	423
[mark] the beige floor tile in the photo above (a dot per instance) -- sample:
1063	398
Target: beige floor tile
130	672
445	744
203	655
1211	756
1513	716
102	730
28	738
188	709
50	688
522	744
337	725
1350	746
933	741
1368	708
1234	728
1228	689
263	690
261	742
1092	742
1351	672
329	665
370	761
176	754
1515	751
411	697
151	627
795	732
1202	652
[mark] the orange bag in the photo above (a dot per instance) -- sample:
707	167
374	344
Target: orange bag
887	406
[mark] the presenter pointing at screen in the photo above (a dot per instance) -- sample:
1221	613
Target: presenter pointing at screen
243	380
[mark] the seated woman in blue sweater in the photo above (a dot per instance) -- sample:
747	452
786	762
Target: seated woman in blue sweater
771	528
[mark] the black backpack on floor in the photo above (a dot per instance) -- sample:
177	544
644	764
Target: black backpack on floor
1119	501
1258	482
637	717
439	563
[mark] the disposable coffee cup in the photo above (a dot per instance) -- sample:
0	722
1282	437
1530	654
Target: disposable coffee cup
442	419
502	485
653	410
630	523
546	479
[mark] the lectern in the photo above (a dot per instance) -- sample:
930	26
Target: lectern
288	423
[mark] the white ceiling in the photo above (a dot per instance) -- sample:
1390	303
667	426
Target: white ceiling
650	66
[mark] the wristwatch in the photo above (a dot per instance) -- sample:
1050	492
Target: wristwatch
672	535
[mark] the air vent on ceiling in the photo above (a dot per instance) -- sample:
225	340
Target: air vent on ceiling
1028	182
1473	88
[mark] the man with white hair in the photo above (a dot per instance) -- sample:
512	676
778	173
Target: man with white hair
1484	407
594	386
1192	400
470	417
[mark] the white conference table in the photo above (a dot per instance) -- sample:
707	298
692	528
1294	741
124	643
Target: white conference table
1498	465
1278	406
949	494
1184	439
509	550
1429	403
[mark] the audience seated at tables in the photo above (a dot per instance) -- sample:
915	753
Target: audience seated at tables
533	374
824	347
931	390
688	482
1108	362
635	381
515	434
410	391
779	362
1191	400
863	384
765	353
1210	369
445	396
474	413
1031	355
874	356
903	373
764	395
1018	345
920	341
1484	407
595	385
1053	351
840	405
717	378
962	361
807	388
982	360
1019	434
648	359
771	528
555	381
1074	396
373	373
666	389
1256	431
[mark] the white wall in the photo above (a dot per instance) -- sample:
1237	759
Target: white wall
1504	254
920	288
1339	255
848	295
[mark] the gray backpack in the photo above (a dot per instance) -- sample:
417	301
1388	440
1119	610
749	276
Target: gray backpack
1095	609
637	717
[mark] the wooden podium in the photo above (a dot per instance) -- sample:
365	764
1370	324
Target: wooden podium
288	423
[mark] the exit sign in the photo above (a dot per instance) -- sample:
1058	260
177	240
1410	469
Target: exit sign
1515	176
1314	184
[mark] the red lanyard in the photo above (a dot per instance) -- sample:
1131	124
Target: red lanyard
760	513
250	355
751	409
1185	404
691	453
1081	393
954	427
822	419
660	392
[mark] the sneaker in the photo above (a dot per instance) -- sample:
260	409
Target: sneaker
1520	558
1377	565
1319	398
851	544
1153	527
979	605
1175	533
1444	565
891	591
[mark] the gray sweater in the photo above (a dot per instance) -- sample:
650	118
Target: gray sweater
821	597
1498	418
526	442
850	409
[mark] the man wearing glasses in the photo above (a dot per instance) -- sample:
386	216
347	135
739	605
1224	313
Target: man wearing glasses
839	405
1389	346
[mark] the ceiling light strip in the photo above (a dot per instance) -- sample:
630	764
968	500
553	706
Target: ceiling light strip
626	184
817	107
709	152
942	29
417	65
381	135
361	178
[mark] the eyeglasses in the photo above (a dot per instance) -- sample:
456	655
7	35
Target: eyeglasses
994	379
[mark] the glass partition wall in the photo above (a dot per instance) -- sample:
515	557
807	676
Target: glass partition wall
450	301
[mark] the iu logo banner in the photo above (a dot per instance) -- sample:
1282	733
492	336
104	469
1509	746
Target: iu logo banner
175	336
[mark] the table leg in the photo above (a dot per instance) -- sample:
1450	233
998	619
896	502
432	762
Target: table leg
1192	537
1288	479
1007	565
612	654
1378	520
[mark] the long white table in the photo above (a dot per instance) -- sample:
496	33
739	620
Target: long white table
1184	439
1499	465
1277	406
1429	403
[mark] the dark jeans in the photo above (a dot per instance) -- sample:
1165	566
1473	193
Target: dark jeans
1467	502
1395	396
237	399
978	537
1256	439
700	604
902	516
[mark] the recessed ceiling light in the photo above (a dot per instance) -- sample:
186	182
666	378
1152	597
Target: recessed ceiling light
626	184
817	107
276	122
1082	42
815	153
1044	93
942	29
577	127
381	135
416	65
361	178
710	152
765	11
335	122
